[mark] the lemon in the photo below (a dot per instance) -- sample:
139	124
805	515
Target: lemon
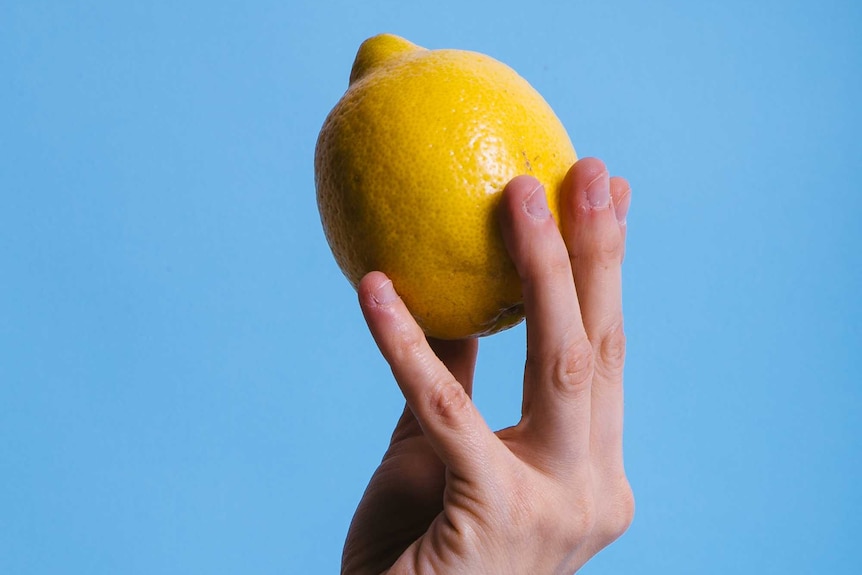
409	167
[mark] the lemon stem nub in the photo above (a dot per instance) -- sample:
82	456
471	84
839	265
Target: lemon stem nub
378	50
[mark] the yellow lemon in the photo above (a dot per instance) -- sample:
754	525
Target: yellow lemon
409	167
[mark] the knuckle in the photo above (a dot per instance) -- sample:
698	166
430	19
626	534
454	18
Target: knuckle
612	350
546	269
411	343
608	247
574	369
448	401
558	263
599	249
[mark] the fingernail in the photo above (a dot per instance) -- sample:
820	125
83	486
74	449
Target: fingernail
384	294
599	192
622	208
536	204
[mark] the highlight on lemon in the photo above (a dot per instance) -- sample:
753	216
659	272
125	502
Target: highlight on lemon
409	167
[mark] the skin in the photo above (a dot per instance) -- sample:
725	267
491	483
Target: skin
547	494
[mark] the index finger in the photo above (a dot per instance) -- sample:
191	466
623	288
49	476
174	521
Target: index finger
556	409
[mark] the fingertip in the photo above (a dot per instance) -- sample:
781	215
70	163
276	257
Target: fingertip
520	195
587	186
525	219
378	301
591	225
375	289
583	172
621	192
520	186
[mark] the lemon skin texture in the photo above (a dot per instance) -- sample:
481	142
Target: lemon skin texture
409	168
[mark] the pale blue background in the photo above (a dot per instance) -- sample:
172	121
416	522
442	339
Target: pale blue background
187	385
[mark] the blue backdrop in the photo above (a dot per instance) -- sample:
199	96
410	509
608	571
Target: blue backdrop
186	382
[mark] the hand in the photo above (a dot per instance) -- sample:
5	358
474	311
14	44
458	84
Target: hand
544	496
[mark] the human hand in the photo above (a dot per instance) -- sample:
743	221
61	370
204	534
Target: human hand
545	495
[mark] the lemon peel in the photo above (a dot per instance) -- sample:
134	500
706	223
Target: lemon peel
409	167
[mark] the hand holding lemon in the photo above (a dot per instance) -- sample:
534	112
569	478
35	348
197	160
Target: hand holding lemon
450	495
